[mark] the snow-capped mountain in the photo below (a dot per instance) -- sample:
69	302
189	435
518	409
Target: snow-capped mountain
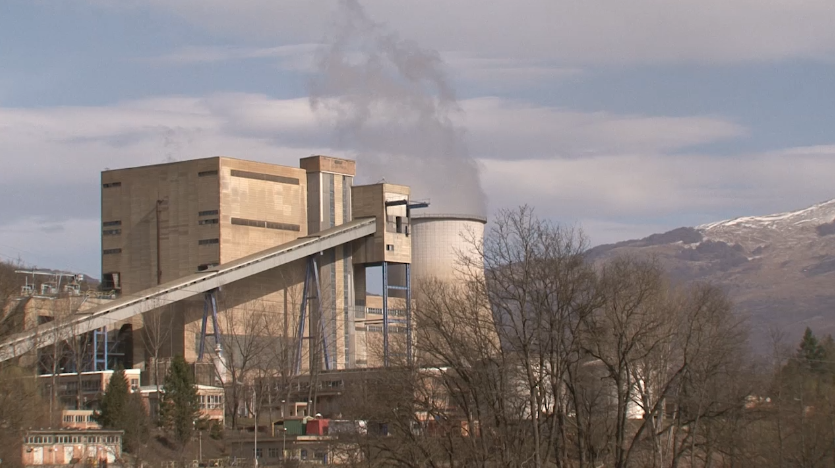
779	268
760	230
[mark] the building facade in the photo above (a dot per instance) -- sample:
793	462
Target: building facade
63	447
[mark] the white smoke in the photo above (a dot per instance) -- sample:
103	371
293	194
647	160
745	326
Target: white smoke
390	102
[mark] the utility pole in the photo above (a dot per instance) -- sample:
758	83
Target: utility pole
255	411
159	255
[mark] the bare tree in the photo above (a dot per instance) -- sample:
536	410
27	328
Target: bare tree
156	332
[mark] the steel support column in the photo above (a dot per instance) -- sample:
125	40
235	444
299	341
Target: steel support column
409	314
385	315
209	303
311	270
100	358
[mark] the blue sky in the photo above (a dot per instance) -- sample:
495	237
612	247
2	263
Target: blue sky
626	118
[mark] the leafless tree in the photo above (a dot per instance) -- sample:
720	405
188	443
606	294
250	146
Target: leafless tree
156	332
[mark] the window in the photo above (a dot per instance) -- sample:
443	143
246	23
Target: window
91	385
112	185
68	418
259	453
266	224
210	402
266	177
90	418
111	232
208	241
206	266
273	452
111	251
134	384
390	247
304	454
207	213
79	418
206	173
208	221
111	223
111	281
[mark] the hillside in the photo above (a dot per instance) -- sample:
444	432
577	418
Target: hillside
780	268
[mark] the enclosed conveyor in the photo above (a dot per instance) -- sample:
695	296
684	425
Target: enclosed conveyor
183	288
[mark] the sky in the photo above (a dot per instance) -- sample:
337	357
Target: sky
622	118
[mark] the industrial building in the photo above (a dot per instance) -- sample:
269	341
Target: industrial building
225	255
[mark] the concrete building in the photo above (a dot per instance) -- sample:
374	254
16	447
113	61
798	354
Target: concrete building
168	221
87	386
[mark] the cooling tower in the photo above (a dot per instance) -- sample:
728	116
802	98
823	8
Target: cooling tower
439	240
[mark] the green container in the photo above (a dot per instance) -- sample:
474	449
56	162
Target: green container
294	427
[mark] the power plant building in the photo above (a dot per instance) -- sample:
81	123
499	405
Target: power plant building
219	257
169	221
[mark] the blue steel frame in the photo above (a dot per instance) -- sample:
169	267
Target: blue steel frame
100	358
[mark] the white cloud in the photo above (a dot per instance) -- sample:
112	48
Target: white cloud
610	171
294	57
688	189
504	129
575	32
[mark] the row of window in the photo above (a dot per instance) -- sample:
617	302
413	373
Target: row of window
274	452
111	232
266	177
200	242
211	401
78	418
234	173
266	224
379	329
72	439
392	312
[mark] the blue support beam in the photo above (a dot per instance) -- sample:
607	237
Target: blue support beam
385	315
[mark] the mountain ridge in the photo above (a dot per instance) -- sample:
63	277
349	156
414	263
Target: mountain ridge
779	269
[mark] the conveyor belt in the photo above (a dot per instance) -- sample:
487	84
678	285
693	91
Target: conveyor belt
177	290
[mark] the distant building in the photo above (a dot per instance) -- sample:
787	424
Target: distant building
212	401
62	447
92	385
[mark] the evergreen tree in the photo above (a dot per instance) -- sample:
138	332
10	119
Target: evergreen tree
810	352
114	402
179	405
121	410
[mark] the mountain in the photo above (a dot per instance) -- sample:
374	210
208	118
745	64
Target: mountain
779	269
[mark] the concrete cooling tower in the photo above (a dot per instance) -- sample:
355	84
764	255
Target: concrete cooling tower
437	242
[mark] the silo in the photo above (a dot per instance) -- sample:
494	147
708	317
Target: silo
438	241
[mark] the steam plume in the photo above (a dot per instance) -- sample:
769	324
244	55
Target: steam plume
390	101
